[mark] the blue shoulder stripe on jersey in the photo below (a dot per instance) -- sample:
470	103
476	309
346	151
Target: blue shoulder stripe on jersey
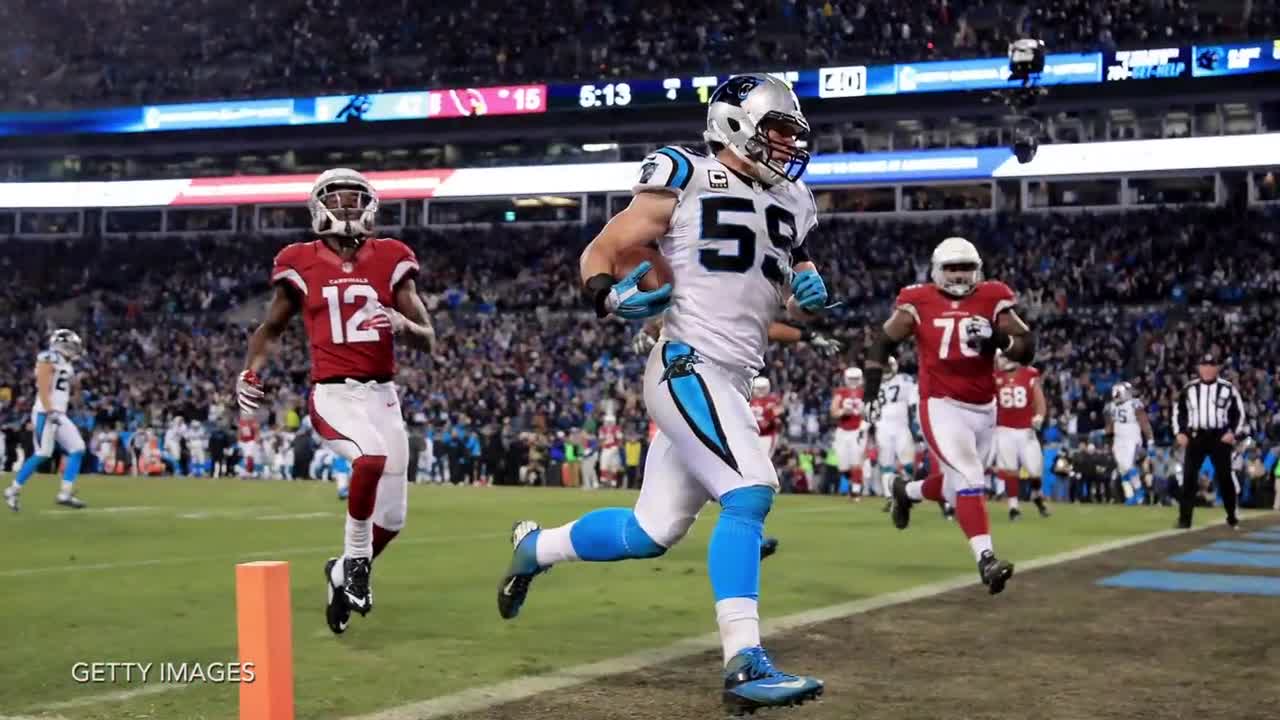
681	170
693	399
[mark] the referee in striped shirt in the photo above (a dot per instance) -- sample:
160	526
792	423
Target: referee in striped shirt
1208	416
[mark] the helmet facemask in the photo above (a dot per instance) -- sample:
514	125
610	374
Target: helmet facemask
774	150
345	207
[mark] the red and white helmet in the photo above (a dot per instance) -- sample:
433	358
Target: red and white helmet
760	386
853	377
956	266
344	205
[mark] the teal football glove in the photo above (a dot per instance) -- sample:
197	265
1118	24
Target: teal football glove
809	290
626	300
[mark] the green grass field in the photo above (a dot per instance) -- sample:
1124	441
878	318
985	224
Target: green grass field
147	575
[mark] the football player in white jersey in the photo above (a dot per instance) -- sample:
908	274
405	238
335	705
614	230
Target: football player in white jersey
898	403
732	225
51	426
1129	427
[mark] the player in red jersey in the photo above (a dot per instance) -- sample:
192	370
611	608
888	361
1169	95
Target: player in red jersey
1020	412
354	293
850	441
959	322
611	466
767	409
247	432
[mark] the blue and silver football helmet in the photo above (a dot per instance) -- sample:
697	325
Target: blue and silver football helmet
66	343
1121	392
740	114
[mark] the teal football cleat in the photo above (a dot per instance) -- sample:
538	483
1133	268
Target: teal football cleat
752	682
514	587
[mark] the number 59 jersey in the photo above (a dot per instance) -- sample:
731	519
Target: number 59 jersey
948	367
731	245
339	298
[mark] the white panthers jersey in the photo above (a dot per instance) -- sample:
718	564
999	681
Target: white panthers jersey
731	245
63	372
897	395
1124	417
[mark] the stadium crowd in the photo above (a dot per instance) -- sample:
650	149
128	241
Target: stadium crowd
77	53
522	378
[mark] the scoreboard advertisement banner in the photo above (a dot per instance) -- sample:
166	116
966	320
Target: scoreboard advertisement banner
812	85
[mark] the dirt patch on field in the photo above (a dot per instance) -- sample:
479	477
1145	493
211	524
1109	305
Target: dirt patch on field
1054	646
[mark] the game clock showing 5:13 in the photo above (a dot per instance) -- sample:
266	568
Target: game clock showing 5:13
607	95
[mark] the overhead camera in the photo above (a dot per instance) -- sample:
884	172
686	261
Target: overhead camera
1026	59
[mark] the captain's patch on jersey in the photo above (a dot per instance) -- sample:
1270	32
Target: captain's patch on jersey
718	179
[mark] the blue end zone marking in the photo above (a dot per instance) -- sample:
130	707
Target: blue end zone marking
1272	536
1194	582
1217	557
1245	546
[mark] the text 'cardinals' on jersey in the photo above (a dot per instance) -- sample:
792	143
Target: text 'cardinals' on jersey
731	245
948	367
768	413
1014	405
339	300
849	402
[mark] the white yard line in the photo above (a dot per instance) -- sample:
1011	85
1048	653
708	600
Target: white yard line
482	698
257	554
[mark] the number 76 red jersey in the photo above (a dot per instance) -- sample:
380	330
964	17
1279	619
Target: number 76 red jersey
339	298
948	367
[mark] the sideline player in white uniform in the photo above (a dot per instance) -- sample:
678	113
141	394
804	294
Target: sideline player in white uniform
898	403
732	226
54	374
1129	427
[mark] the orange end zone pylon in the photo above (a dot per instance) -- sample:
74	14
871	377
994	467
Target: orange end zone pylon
265	632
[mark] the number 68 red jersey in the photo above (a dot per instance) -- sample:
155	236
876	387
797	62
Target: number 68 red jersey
339	298
948	367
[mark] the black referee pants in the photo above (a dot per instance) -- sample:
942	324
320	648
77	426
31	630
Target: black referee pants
1201	445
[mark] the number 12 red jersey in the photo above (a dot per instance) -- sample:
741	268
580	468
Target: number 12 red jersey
339	298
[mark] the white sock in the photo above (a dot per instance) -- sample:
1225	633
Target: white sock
337	575
980	544
358	538
739	621
67	488
343	481
1013	502
15	487
915	490
886	484
555	546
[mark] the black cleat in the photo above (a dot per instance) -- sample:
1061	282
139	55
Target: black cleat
70	501
948	512
514	586
994	573
1234	523
901	504
1042	507
888	505
356	593
768	546
336	612
1182	524
1014	514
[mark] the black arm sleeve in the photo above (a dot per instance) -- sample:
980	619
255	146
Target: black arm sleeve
1180	413
881	348
799	254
